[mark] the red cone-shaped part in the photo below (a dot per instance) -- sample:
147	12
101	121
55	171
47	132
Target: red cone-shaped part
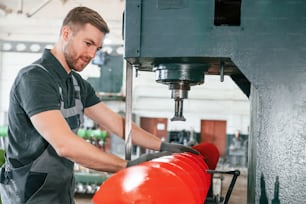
199	160
180	173
178	178
188	173
144	184
198	165
210	153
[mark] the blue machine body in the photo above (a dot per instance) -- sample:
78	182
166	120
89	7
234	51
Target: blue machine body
262	45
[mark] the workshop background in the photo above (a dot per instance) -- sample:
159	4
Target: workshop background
253	85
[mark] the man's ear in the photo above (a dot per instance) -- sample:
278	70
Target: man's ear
65	32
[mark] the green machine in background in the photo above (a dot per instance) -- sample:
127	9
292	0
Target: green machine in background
3	136
2	157
88	181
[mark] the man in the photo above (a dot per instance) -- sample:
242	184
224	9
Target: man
237	151
47	103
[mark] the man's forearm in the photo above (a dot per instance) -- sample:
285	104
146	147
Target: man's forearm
145	139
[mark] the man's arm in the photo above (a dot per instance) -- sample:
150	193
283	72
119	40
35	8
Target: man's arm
115	123
54	128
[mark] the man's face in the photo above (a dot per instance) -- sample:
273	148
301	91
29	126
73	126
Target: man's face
81	46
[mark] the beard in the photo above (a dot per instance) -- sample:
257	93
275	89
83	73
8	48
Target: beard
73	60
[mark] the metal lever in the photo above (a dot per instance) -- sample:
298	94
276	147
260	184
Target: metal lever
235	174
128	111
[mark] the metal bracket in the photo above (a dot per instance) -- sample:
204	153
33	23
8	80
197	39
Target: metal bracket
235	174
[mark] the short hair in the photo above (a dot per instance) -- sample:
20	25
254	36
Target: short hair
83	15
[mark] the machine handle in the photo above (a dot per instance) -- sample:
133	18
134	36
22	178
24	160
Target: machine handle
235	174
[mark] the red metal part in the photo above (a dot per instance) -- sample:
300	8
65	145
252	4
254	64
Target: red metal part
178	178
198	168
143	184
190	176
210	153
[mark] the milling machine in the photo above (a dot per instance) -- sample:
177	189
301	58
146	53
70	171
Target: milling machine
261	45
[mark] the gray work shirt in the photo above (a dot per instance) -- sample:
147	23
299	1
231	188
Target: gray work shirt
35	91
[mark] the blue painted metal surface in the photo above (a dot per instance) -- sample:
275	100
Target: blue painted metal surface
268	50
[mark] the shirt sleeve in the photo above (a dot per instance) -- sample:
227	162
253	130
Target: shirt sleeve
91	97
37	92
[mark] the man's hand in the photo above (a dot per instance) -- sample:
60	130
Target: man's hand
147	157
176	148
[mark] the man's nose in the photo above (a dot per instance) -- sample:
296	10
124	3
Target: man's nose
92	52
